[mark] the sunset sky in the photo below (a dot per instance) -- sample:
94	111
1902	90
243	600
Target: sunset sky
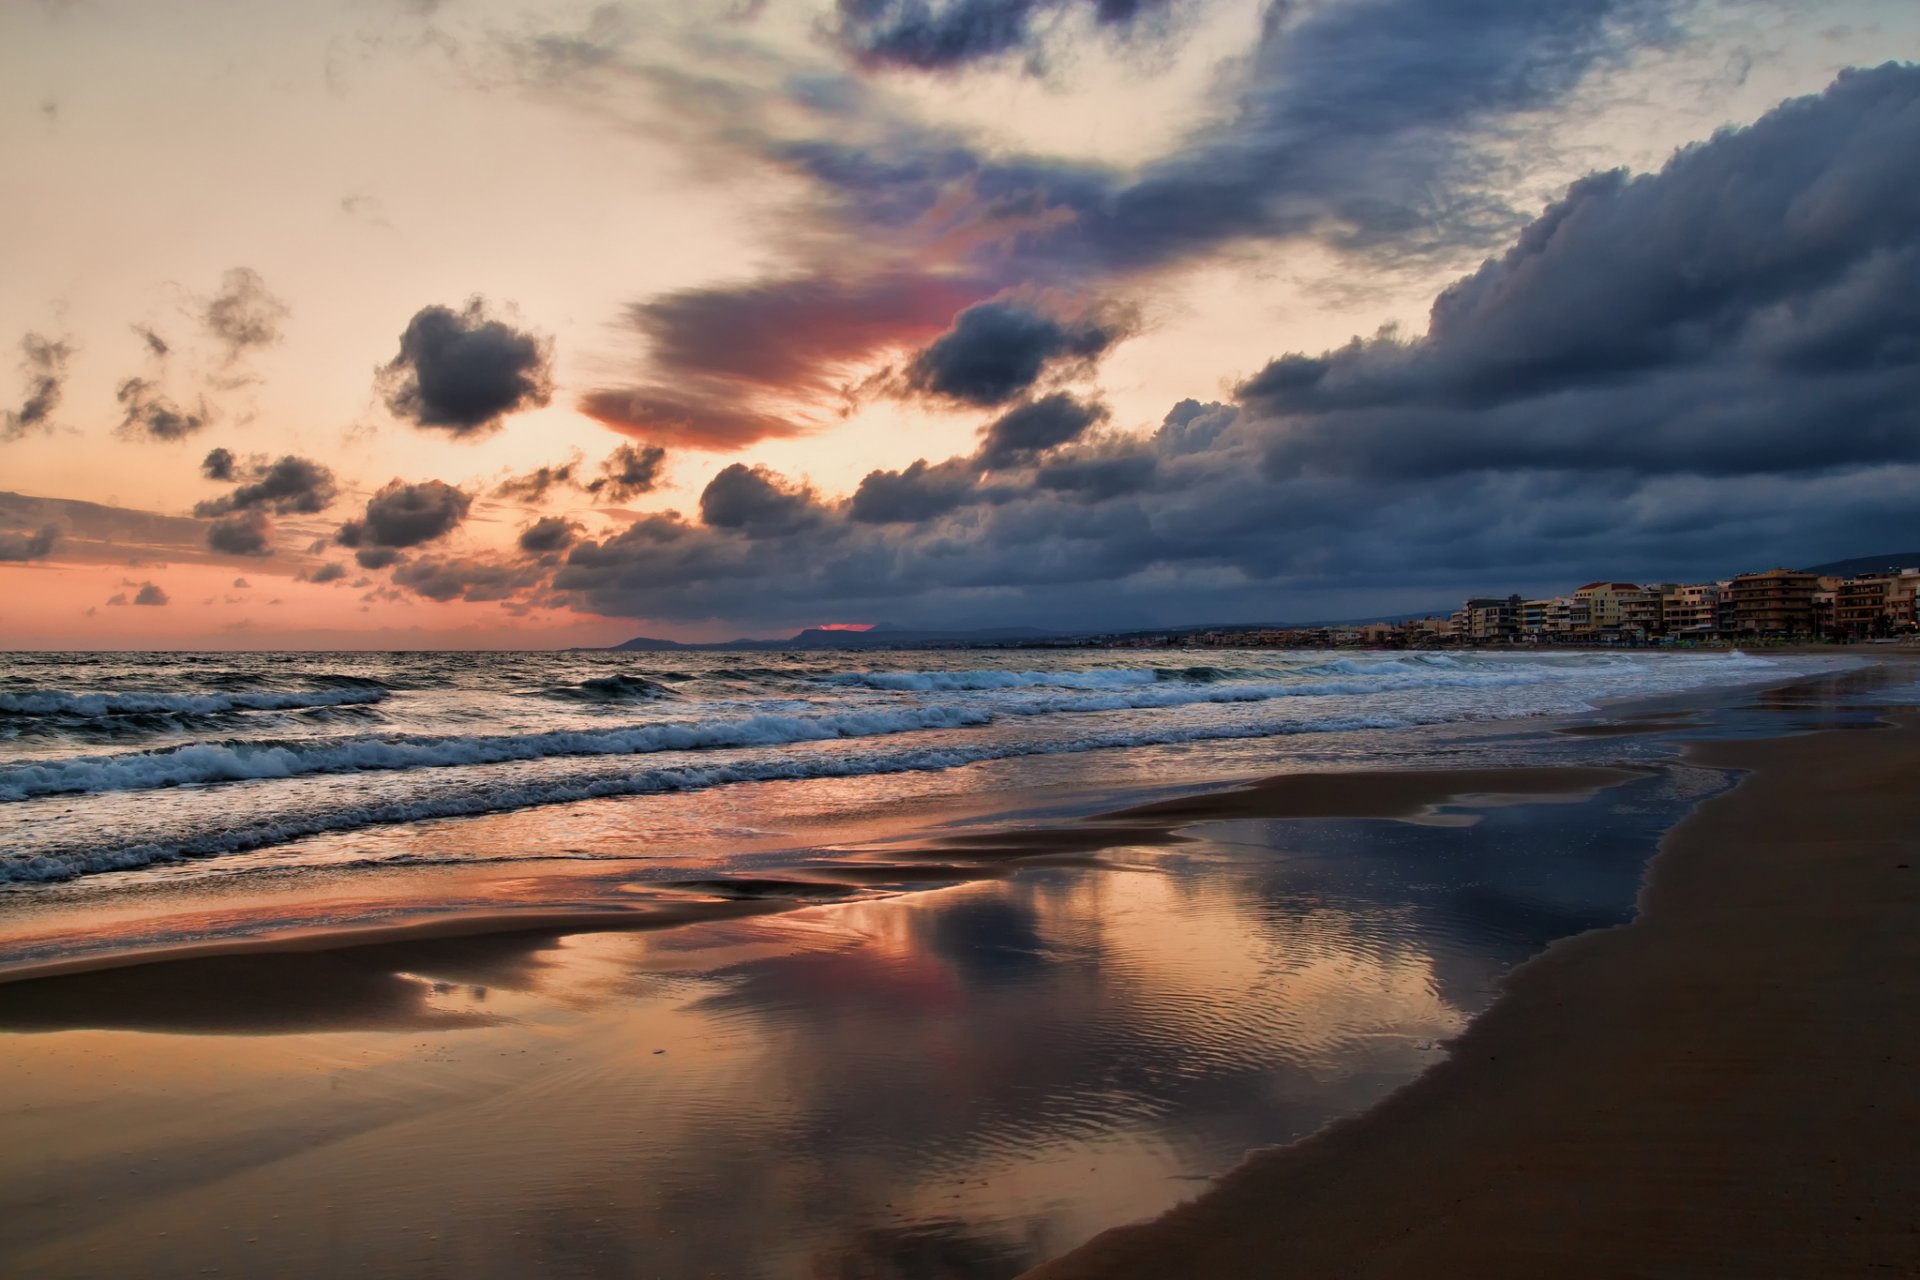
445	323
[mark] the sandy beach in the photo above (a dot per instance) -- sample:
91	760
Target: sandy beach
973	1047
1721	1088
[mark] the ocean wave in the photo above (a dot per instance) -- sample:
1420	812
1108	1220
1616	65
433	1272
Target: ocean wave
990	679
617	688
65	864
54	702
242	761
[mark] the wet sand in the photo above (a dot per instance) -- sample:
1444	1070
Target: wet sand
1723	1087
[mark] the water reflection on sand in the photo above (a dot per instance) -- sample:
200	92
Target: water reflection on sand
951	1083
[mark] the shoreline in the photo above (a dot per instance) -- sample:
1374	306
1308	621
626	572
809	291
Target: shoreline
1719	1087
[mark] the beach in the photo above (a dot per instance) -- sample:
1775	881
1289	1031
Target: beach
962	1037
1720	1088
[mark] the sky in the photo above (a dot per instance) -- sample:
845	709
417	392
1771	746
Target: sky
496	324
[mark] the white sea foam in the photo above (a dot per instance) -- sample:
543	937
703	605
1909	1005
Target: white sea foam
64	864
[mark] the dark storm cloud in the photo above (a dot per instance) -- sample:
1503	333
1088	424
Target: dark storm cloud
942	35
628	472
24	545
466	578
406	515
246	533
997	350
755	501
463	371
1700	319
1032	428
290	486
1675	376
147	412
548	534
243	315
916	495
43	361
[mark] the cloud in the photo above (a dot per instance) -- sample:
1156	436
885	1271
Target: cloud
1700	319
918	494
945	35
149	413
22	545
375	557
627	472
535	485
548	534
288	487
472	579
247	533
1671	376
243	315
1388	131
218	464
149	594
726	364
756	502
463	371
332	571
44	364
242	583
157	346
997	350
1032	428
406	515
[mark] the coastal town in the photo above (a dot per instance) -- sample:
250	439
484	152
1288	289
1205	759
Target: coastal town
1773	606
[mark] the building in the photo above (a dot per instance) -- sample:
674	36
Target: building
1600	609
1776	603
1860	608
1690	612
1488	620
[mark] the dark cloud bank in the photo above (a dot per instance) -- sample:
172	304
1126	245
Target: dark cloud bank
1702	370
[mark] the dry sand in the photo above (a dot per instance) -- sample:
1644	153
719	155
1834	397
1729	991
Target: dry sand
1724	1087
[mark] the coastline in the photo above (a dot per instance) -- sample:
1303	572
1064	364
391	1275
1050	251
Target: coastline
359	993
1720	1087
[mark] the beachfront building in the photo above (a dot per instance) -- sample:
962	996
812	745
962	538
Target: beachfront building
1874	605
1777	603
1640	615
1860	608
1691	612
1599	609
1489	620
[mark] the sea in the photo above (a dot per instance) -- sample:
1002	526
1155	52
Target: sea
210	763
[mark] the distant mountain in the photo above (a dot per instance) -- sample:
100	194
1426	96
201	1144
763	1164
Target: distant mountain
647	644
1866	564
